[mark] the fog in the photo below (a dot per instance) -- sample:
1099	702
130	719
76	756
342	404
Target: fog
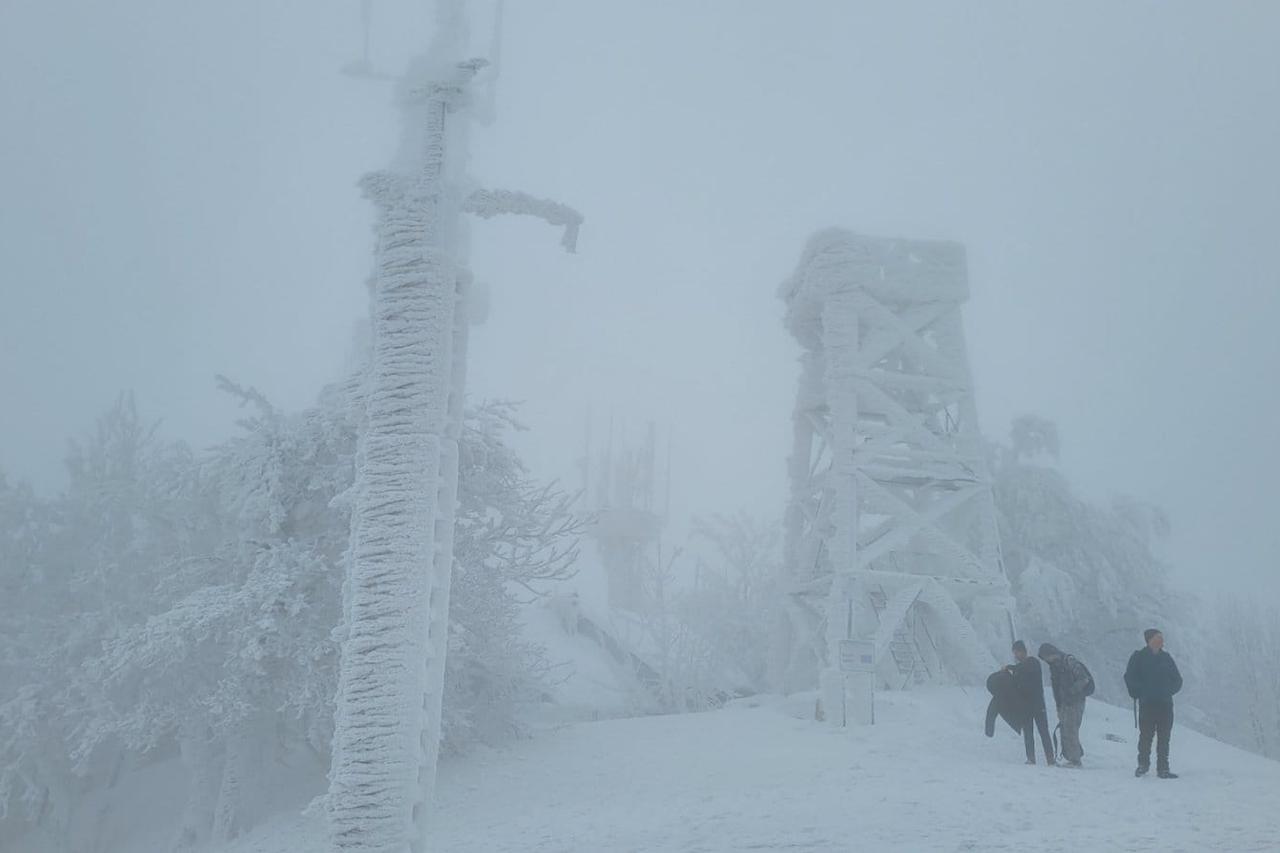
179	200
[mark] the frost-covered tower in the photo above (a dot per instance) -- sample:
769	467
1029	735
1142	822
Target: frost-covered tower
891	527
400	562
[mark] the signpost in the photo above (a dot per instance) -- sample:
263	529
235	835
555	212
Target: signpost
858	671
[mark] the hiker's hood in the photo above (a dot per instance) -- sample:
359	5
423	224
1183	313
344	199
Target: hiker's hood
1048	652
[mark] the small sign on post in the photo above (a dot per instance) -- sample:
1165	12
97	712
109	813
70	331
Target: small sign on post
858	670
857	656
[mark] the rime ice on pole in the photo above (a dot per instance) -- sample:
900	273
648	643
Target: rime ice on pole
391	677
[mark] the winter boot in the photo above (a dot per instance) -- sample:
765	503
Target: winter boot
1142	770
1166	774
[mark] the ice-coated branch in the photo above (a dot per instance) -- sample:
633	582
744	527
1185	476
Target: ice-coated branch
247	395
490	203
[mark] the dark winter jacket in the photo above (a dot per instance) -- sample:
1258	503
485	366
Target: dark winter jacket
1152	677
1005	702
1030	684
1070	679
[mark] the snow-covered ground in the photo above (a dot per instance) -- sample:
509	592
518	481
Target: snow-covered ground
761	775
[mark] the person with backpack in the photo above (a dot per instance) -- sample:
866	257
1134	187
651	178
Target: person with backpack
1072	684
1030	689
1152	678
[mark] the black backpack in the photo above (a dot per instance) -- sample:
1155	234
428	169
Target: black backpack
1088	687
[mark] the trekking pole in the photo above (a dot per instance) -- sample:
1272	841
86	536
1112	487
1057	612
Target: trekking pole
1135	713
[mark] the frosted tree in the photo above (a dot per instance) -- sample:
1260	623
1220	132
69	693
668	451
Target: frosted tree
25	529
207	591
35	777
241	637
1086	577
103	550
690	641
514	538
1241	689
396	605
735	597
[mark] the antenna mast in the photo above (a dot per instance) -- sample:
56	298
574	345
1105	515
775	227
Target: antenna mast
387	718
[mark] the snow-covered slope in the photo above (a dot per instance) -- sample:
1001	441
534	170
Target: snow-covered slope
761	775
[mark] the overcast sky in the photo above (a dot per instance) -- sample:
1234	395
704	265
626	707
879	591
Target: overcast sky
178	199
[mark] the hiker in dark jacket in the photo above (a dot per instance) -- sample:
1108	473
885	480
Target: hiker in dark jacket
1030	688
1152	678
1072	683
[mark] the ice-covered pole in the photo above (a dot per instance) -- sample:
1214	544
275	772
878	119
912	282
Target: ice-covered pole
400	561
387	710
